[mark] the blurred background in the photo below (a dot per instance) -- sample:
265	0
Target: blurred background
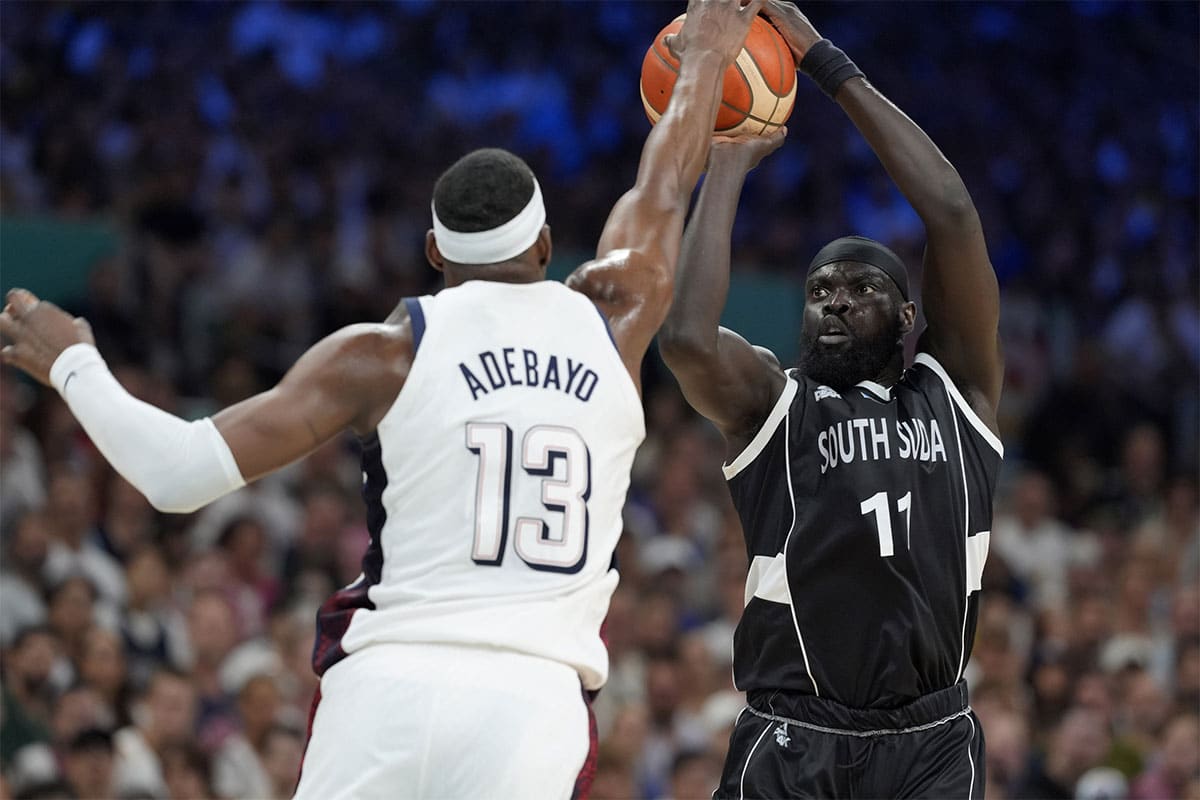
216	185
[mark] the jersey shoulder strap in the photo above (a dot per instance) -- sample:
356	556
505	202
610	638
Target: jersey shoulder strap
928	373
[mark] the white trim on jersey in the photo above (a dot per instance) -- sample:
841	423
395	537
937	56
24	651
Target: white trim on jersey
929	361
971	759
881	392
767	580
977	553
787	462
765	432
966	532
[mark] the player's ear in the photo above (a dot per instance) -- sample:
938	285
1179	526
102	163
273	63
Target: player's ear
432	254
908	317
543	247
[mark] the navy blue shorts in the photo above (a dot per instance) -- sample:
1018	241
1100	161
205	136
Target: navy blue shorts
799	746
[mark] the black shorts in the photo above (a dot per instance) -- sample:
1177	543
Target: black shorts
799	746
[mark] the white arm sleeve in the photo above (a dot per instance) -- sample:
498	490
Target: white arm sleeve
179	466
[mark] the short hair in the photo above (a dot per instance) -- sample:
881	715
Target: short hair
482	191
90	739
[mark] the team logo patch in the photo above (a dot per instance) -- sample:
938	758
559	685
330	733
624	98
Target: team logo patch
824	392
781	735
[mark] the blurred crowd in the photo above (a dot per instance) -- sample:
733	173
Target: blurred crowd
268	168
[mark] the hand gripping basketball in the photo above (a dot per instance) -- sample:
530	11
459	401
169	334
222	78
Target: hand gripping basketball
759	87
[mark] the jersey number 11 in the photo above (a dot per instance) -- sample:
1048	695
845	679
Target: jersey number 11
878	505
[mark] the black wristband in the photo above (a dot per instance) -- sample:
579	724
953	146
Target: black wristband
828	66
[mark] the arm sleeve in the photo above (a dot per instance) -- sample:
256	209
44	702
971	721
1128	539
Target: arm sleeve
178	465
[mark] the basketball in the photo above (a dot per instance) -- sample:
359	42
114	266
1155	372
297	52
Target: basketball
759	90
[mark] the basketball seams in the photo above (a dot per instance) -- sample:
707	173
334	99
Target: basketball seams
666	62
760	108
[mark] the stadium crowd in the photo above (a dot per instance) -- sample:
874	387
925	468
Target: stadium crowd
269	168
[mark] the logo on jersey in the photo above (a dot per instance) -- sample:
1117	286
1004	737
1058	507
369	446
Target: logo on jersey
824	392
781	735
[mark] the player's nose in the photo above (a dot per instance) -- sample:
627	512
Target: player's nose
837	302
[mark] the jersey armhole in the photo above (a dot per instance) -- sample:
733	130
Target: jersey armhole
765	433
607	327
417	317
932	364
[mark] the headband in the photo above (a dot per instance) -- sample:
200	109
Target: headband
863	251
500	243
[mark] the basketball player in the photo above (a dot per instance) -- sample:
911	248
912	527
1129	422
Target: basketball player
499	420
864	488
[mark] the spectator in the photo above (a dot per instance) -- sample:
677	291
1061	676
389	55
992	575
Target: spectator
78	709
187	772
71	613
693	774
1175	767
154	632
1038	548
212	634
88	764
239	768
102	667
130	522
1078	743
164	718
282	753
28	688
244	542
20	575
74	549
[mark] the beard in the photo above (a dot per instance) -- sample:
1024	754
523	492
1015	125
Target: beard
841	367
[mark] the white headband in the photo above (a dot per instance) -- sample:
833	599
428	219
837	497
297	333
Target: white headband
499	244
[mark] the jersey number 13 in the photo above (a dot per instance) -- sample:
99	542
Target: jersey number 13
562	548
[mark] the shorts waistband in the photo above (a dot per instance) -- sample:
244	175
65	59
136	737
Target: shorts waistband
818	713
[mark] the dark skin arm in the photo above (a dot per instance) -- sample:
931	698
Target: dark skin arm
959	290
347	380
723	376
632	277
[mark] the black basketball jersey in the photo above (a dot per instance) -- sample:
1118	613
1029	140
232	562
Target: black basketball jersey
867	515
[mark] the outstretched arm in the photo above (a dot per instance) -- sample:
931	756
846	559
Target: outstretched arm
631	279
348	379
721	374
959	289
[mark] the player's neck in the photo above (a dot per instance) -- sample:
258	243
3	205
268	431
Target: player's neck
503	272
889	376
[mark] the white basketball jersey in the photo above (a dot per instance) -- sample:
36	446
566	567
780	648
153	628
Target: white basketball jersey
502	471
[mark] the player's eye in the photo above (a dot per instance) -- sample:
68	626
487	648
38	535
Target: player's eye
866	288
818	292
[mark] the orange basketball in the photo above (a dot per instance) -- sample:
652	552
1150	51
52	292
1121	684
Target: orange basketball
760	86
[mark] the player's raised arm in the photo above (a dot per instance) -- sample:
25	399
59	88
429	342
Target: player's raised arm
632	276
346	380
962	298
721	374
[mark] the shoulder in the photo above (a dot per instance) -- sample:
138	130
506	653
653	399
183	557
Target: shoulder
371	342
365	365
928	374
609	278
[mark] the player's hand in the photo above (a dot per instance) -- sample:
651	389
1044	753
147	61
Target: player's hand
744	152
36	332
719	26
795	28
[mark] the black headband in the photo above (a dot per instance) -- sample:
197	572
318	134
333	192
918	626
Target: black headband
863	251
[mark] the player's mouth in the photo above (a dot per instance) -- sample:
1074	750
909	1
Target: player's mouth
832	332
